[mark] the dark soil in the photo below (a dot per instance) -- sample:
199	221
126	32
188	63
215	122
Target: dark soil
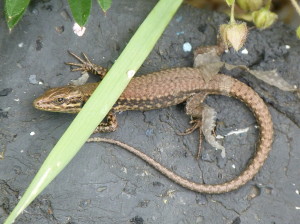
105	184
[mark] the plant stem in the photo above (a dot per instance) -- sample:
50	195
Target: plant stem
296	6
232	20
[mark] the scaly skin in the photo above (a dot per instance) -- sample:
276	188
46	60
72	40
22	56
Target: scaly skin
164	89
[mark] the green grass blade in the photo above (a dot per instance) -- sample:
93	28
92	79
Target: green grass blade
101	101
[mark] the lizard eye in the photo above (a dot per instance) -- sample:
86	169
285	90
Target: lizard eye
60	100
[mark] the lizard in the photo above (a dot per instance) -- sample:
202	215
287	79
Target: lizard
163	89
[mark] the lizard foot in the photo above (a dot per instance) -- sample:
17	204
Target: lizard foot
86	65
110	125
196	124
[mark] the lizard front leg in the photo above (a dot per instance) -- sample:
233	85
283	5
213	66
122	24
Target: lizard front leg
87	65
110	125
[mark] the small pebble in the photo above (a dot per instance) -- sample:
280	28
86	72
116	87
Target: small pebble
187	47
178	33
65	15
149	132
244	51
59	29
178	19
32	79
5	92
35	12
100	189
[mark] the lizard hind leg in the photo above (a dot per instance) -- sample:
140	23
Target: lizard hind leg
197	125
110	125
194	108
204	119
86	66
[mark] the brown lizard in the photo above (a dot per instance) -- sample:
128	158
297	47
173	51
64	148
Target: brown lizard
163	89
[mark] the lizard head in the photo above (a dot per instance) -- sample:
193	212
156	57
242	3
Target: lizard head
67	99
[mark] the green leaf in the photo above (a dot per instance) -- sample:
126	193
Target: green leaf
105	4
101	101
298	32
263	18
80	10
230	2
14	10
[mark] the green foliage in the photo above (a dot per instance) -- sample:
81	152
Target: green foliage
298	32
80	10
263	18
250	5
14	10
105	4
230	2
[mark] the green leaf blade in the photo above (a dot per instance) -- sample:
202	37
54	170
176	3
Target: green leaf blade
14	10
230	2
105	4
80	10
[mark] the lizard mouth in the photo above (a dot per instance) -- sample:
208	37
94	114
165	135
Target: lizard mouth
41	105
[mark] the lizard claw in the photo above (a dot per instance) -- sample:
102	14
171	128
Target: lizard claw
196	124
85	65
